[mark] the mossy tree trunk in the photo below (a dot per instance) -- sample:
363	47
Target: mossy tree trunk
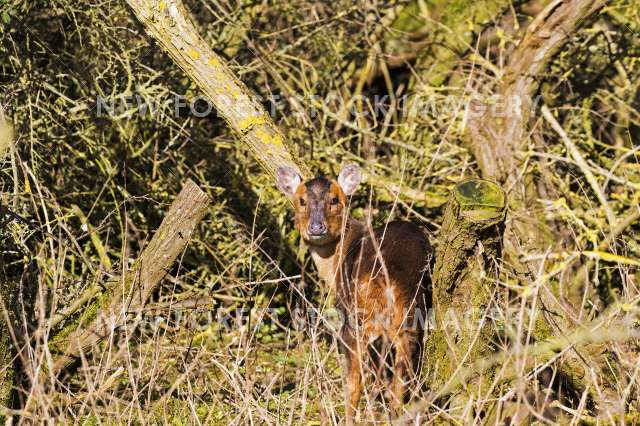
7	352
464	281
7	292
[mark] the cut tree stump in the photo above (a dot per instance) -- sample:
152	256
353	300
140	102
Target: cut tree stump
464	284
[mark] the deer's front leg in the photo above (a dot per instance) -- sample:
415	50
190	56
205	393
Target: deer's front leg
353	375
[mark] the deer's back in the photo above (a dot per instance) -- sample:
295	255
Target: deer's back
385	276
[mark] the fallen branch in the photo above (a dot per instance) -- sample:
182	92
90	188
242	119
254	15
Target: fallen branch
131	292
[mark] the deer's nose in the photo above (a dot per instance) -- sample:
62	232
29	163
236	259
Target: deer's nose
317	228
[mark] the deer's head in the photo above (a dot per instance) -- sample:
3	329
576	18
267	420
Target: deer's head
319	203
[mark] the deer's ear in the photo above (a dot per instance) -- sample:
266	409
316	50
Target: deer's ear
288	180
349	178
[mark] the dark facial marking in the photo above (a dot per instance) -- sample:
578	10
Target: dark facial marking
319	205
318	186
316	193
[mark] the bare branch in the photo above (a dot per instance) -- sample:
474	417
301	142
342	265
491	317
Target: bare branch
168	22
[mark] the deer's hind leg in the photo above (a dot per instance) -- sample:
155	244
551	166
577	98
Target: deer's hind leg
407	358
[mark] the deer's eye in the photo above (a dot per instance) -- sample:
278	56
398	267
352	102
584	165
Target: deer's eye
302	202
335	201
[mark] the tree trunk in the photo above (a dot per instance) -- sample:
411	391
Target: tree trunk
7	293
464	284
168	22
128	296
498	140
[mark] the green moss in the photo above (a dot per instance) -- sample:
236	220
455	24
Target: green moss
480	194
461	20
7	372
409	19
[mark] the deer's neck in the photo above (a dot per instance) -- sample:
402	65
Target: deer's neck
329	257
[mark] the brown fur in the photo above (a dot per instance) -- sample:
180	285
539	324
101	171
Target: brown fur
381	280
382	295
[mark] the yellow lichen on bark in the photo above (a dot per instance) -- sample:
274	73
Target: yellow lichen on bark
169	23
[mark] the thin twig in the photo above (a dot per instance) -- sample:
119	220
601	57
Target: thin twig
581	163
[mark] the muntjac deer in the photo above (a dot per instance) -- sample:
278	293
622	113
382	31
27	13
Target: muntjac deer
380	277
